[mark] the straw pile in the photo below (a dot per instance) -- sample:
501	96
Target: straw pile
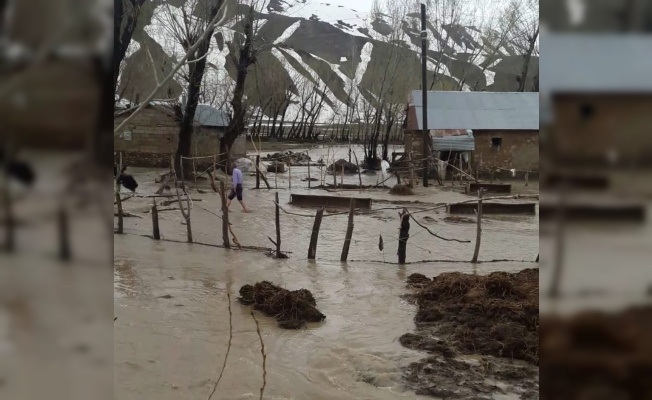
495	315
401	190
596	353
292	309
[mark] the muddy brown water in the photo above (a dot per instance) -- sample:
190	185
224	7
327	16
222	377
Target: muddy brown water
173	348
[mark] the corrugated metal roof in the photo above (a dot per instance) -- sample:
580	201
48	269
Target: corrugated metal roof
210	116
454	142
479	110
595	63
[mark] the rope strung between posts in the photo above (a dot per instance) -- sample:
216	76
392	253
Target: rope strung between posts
373	211
202	157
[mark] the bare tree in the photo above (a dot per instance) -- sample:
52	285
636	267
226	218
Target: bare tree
526	35
187	25
125	18
381	77
243	51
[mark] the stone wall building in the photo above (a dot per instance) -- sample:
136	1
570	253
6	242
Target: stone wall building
597	101
505	127
151	137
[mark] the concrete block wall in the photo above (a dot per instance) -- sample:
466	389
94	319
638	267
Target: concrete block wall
154	136
518	150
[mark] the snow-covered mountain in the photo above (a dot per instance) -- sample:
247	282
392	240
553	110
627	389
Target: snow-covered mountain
355	58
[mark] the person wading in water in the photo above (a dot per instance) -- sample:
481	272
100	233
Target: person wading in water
236	190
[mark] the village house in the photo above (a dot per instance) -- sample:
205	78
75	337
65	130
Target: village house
484	131
597	100
151	137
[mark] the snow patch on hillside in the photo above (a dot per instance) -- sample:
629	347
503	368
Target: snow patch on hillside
288	32
365	58
490	75
329	94
133	47
334	12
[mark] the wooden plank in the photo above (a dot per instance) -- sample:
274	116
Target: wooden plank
307	200
595	212
587	182
473	187
493	208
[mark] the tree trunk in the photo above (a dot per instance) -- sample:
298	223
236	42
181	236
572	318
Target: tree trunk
246	58
122	32
196	75
526	64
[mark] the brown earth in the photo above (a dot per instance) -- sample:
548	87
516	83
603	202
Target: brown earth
401	190
597	355
292	309
494	318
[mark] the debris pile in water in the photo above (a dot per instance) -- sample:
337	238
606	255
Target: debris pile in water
495	315
349	168
462	314
401	190
595	352
292	309
294	158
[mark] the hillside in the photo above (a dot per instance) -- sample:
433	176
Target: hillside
356	59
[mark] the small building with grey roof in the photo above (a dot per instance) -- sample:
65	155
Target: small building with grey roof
152	136
504	127
596	99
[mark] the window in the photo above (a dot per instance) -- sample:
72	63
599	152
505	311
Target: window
586	111
496	142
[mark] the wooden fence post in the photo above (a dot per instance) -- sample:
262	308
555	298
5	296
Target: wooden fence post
559	255
278	227
258	171
527	176
410	160
461	177
64	235
342	177
349	234
357	162
309	182
225	217
312	249
185	213
289	173
118	199
194	172
403	236
10	223
156	233
478	235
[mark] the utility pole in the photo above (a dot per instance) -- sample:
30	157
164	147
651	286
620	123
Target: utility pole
424	91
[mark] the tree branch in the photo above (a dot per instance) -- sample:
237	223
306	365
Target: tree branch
214	22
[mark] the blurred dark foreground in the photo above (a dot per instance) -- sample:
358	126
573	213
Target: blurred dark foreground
596	125
56	313
56	337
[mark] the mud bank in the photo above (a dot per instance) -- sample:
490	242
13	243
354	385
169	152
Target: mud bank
292	309
597	355
481	333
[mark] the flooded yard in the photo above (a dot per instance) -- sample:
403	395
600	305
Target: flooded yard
171	298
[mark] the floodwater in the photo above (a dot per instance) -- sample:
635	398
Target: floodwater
172	330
